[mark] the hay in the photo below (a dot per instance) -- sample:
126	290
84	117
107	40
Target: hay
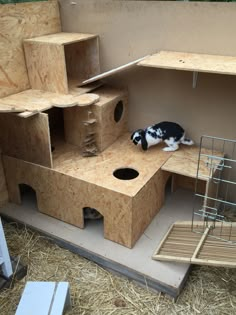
95	291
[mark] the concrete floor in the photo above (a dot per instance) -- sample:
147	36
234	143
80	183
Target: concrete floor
135	263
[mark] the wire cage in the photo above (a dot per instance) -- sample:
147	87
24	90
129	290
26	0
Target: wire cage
216	215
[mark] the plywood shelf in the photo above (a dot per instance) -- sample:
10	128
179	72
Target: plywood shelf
185	162
191	62
39	100
61	38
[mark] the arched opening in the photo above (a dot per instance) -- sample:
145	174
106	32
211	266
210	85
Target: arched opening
125	173
118	112
28	195
93	219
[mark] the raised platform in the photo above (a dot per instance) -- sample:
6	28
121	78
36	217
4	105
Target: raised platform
191	62
36	101
98	170
185	162
135	263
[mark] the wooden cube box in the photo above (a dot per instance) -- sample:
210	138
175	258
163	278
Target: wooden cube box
110	113
55	61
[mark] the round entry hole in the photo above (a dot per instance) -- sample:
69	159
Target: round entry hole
125	173
118	111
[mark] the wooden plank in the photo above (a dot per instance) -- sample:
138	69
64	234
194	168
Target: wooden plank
163	240
75	89
180	244
27	114
27	139
191	236
113	71
190	155
30	102
215	263
5	108
218	255
210	243
64	101
176	239
201	242
191	62
62	38
176	252
17	22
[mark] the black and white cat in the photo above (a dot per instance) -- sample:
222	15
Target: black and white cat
169	132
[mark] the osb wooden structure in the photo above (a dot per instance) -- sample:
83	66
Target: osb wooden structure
183	245
128	206
107	129
63	180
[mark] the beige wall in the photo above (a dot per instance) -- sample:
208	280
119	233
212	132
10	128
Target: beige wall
132	29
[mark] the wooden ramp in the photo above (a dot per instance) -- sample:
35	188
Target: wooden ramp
181	244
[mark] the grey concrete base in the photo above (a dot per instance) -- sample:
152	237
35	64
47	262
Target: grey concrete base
135	263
